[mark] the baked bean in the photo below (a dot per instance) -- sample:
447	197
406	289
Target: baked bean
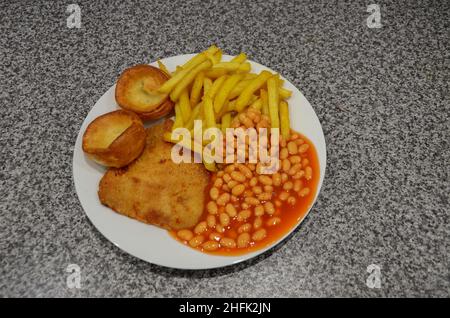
238	189
210	246
251	166
252	201
232	184
231	210
291	200
224	219
257	190
238	176
226	177
244	215
227	242
305	162
299	142
262	124
220	228
283	196
303	148
185	235
273	221
259	210
297	185
211	220
284	153
196	241
294	169
299	175
286	165
243	240
265	180
253	182
245	171
214	193
268	188
244	228
294	136
259	235
214	236
265	196
211	207
220	174
308	173
257	223
288	186
284	177
278	203
223	199
200	228
226	188
283	143
295	159
218	183
269	208
234	199
242	116
230	168
276	179
304	192
292	148
245	206
248	193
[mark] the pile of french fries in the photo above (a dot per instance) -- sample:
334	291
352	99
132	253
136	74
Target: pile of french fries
208	89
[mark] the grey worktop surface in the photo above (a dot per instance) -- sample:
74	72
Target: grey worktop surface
382	96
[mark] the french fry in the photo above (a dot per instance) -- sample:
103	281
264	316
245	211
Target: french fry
194	115
187	79
284	120
249	76
284	93
240	58
168	86
200	57
209	112
196	89
178	117
251	88
207	83
265	102
244	68
273	98
225	90
216	86
257	104
216	72
226	122
188	144
163	68
239	88
185	106
230	66
218	56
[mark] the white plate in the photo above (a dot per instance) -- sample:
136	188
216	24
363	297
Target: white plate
151	243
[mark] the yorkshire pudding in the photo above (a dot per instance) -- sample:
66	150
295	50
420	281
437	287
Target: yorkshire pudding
114	139
137	91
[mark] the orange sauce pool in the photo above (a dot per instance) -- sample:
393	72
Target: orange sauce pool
290	215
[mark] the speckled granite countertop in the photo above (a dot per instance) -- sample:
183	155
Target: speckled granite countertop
382	96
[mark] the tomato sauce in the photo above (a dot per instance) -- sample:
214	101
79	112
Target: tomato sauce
290	215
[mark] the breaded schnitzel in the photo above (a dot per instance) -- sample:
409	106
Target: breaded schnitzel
155	190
